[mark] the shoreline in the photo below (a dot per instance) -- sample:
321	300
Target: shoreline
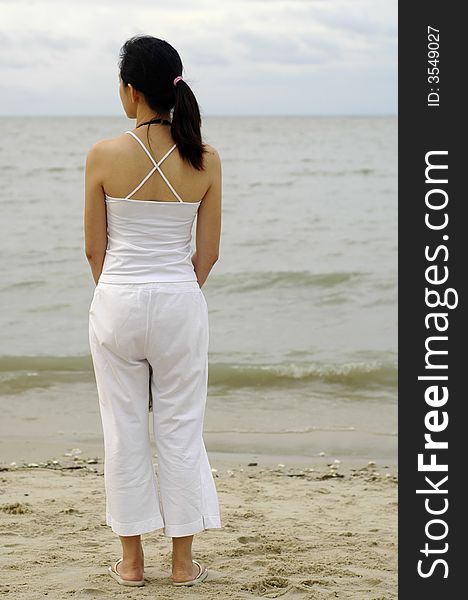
322	468
23	452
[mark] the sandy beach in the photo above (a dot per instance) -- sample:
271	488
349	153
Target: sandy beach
318	532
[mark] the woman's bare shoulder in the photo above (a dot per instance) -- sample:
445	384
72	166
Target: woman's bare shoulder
111	148
109	144
211	151
212	158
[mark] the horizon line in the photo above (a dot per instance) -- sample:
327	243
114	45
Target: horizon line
263	115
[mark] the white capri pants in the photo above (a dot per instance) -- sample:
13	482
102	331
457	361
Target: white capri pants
149	344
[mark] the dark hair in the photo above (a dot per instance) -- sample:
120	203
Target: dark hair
151	65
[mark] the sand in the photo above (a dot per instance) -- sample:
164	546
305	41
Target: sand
288	531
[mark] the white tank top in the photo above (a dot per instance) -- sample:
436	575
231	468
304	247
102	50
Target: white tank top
149	240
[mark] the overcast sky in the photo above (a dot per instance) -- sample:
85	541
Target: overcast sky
257	57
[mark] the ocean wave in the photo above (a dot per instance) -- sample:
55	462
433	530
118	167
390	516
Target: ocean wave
18	373
37	364
332	173
351	374
260	280
299	430
30	283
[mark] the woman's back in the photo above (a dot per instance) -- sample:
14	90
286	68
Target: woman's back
150	209
128	165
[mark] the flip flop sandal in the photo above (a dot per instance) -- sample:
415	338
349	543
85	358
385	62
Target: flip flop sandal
202	575
116	575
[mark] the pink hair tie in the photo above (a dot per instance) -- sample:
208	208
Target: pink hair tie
178	78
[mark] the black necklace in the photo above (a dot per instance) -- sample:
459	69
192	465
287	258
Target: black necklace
155	120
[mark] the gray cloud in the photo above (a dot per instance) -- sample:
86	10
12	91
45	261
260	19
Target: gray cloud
207	59
32	40
244	56
21	63
300	49
347	22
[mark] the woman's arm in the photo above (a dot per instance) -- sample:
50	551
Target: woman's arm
95	220
208	231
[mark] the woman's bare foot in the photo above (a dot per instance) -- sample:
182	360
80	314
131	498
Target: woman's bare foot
130	570
186	572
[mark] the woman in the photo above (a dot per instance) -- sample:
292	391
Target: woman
148	319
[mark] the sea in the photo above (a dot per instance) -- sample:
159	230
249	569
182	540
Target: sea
302	301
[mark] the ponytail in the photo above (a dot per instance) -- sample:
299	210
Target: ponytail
186	125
